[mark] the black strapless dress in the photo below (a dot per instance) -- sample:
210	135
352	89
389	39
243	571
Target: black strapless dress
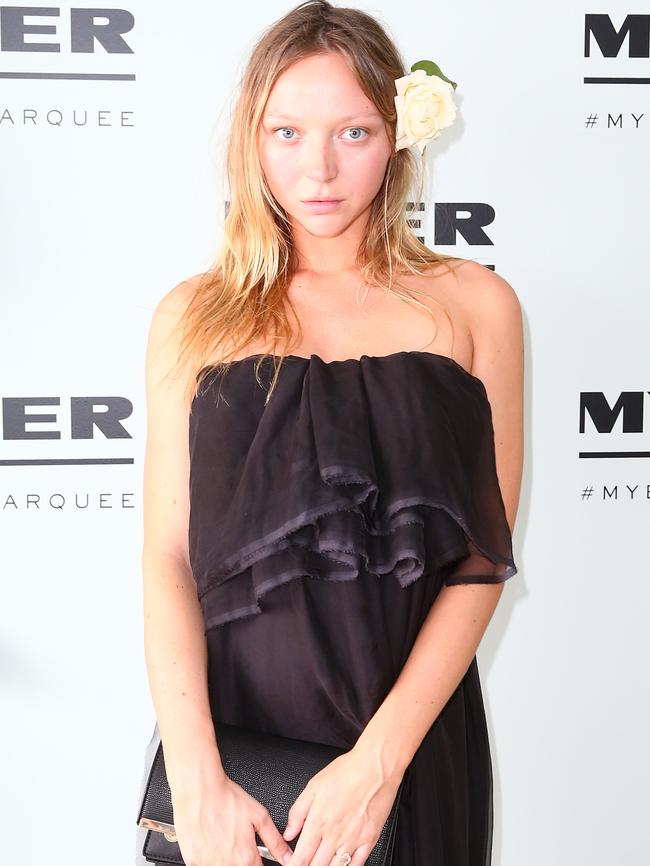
323	525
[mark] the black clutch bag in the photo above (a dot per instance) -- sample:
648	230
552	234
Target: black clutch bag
271	768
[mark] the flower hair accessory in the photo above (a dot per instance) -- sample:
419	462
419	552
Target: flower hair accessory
424	105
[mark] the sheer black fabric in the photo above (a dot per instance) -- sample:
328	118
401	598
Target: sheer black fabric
323	524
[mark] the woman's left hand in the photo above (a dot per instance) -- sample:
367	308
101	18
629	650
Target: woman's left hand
343	807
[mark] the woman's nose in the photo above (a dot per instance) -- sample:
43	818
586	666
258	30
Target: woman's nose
320	159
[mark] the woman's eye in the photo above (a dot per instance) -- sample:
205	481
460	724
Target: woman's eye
280	129
358	129
354	129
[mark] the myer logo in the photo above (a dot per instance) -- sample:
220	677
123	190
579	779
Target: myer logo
629	408
84	31
628	41
87	28
88	418
634	32
626	415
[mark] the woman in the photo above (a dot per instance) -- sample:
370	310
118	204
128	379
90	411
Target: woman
324	561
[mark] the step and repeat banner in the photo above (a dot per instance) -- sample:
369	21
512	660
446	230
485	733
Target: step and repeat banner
112	126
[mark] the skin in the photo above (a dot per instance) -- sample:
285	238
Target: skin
344	807
308	147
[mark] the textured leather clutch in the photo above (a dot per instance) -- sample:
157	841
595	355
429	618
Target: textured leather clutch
271	768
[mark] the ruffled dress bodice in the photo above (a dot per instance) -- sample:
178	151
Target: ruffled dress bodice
382	466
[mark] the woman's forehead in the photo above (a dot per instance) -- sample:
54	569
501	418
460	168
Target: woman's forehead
316	81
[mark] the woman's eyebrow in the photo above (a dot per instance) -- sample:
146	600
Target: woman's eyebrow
341	119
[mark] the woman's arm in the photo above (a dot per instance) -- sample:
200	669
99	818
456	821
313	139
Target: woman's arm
452	631
175	652
440	657
174	639
215	818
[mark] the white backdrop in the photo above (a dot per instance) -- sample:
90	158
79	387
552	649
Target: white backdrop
111	194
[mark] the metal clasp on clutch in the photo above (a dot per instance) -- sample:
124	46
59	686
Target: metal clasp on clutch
264	852
169	832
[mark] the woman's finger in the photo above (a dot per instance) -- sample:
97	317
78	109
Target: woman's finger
359	856
271	836
306	847
323	855
298	813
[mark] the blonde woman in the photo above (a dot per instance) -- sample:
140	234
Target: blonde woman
333	466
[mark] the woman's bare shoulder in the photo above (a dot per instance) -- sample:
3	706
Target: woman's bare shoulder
175	300
489	301
483	306
481	295
163	342
169	311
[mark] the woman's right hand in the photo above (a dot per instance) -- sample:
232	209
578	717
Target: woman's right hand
217	828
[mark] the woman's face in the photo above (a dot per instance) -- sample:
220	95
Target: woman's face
321	136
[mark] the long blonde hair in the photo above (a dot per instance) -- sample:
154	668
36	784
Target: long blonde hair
241	298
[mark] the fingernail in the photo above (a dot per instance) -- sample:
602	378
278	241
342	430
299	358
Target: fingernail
288	830
286	858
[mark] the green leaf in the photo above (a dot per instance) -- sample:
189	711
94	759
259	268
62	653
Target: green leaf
432	68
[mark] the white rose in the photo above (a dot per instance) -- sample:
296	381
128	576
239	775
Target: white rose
424	106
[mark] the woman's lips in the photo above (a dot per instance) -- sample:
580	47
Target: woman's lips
321	206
